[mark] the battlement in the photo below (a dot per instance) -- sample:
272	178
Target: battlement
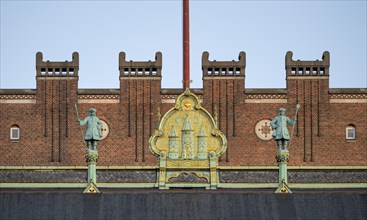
57	69
140	68
223	68
307	68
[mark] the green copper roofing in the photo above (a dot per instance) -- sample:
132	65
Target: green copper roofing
202	132
173	132
187	125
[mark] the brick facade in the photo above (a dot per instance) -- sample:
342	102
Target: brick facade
50	134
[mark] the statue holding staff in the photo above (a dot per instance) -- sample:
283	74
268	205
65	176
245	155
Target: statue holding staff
94	129
280	125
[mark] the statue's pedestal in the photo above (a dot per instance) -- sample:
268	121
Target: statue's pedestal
282	159
92	158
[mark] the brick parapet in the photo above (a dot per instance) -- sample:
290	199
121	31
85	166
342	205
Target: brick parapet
140	68
50	134
57	69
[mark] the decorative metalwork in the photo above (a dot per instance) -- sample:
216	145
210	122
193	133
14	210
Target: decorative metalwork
188	140
105	130
282	156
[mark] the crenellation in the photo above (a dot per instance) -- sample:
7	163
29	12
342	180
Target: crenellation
307	68
140	68
223	68
57	69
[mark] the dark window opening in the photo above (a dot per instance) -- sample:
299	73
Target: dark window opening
43	71
50	71
146	71
154	71
293	71
322	71
210	71
63	71
307	71
238	71
126	71
216	71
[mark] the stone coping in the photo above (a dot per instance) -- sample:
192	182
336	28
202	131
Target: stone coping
265	91
348	90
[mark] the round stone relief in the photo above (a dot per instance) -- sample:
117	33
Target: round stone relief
105	130
263	130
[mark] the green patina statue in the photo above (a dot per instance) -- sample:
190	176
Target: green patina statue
281	134
94	129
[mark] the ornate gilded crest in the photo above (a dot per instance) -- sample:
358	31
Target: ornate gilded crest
188	131
187	142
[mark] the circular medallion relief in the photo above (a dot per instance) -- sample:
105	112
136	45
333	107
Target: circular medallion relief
263	130
105	130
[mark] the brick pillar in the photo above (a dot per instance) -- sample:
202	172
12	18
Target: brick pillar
140	86
308	84
57	90
223	88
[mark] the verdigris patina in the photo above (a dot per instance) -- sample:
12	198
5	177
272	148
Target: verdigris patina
94	129
281	134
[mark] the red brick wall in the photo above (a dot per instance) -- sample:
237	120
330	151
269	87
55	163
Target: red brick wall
50	134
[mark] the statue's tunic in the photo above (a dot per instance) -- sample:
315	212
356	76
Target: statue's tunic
280	125
93	129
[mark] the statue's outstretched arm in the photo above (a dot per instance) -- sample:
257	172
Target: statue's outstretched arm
83	122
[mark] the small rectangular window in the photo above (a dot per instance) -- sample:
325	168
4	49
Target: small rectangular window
154	71
351	133
293	71
216	71
14	133
307	71
147	71
210	71
43	71
50	71
224	72
140	71
238	71
71	71
63	71
322	71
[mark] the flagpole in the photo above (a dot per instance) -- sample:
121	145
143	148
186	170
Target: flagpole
186	45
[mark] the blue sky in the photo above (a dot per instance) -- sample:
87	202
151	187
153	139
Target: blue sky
265	30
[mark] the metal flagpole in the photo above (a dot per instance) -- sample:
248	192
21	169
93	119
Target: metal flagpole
295	117
186	46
